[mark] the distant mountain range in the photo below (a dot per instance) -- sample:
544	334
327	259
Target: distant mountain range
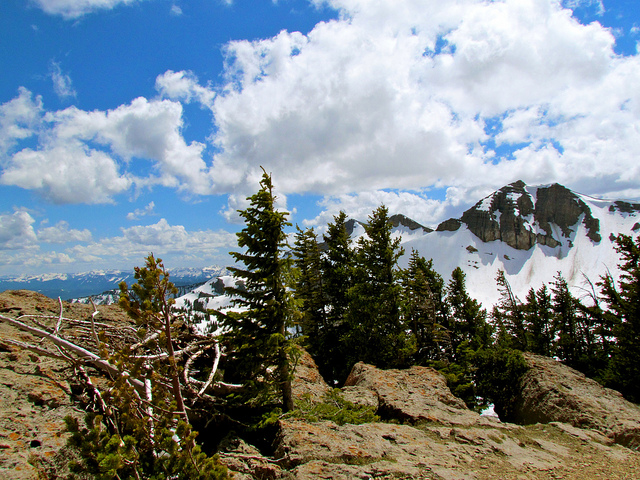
102	282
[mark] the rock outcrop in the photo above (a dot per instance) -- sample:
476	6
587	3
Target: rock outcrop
404	221
307	382
503	216
523	218
418	394
35	394
553	392
439	439
424	431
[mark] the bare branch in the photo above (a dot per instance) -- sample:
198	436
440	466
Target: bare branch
84	354
93	326
35	349
145	341
216	361
59	317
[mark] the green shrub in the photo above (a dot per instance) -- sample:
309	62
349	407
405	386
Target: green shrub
334	408
498	378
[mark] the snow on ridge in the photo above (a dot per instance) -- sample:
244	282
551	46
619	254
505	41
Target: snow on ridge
484	205
576	257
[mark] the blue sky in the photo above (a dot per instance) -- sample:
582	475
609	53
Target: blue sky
136	126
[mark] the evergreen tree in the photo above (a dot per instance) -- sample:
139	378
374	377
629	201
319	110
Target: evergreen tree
419	311
309	292
539	321
441	306
258	345
599	325
337	261
467	319
509	316
569	344
337	266
376	334
623	301
469	332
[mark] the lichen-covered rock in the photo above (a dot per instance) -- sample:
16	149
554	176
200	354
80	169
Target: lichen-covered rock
383	450
34	391
360	396
245	462
553	392
307	382
417	394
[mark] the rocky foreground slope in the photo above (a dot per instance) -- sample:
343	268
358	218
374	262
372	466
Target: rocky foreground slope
584	430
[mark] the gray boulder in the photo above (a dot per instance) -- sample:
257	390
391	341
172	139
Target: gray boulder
553	392
414	395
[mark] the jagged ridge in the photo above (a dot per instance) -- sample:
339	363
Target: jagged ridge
522	219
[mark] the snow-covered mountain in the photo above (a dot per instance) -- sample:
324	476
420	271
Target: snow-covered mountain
70	286
208	296
531	233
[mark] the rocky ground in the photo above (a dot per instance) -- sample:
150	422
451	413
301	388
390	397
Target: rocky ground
35	394
582	432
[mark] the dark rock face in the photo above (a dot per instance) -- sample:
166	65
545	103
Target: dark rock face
553	392
401	220
350	225
512	215
560	206
450	225
504	218
624	207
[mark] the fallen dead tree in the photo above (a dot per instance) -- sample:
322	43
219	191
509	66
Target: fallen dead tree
151	374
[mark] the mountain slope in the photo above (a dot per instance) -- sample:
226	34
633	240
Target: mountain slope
531	233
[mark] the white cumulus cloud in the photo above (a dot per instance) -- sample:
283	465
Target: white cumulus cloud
89	156
16	231
18	119
61	233
71	9
399	94
184	86
163	239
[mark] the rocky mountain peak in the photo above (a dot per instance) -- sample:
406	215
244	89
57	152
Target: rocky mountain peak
522	217
399	220
558	205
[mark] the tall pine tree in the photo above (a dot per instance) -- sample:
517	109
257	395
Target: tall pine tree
257	340
309	292
565	308
538	314
508	316
623	301
419	311
377	335
338	260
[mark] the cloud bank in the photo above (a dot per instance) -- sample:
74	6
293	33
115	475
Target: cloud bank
396	95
